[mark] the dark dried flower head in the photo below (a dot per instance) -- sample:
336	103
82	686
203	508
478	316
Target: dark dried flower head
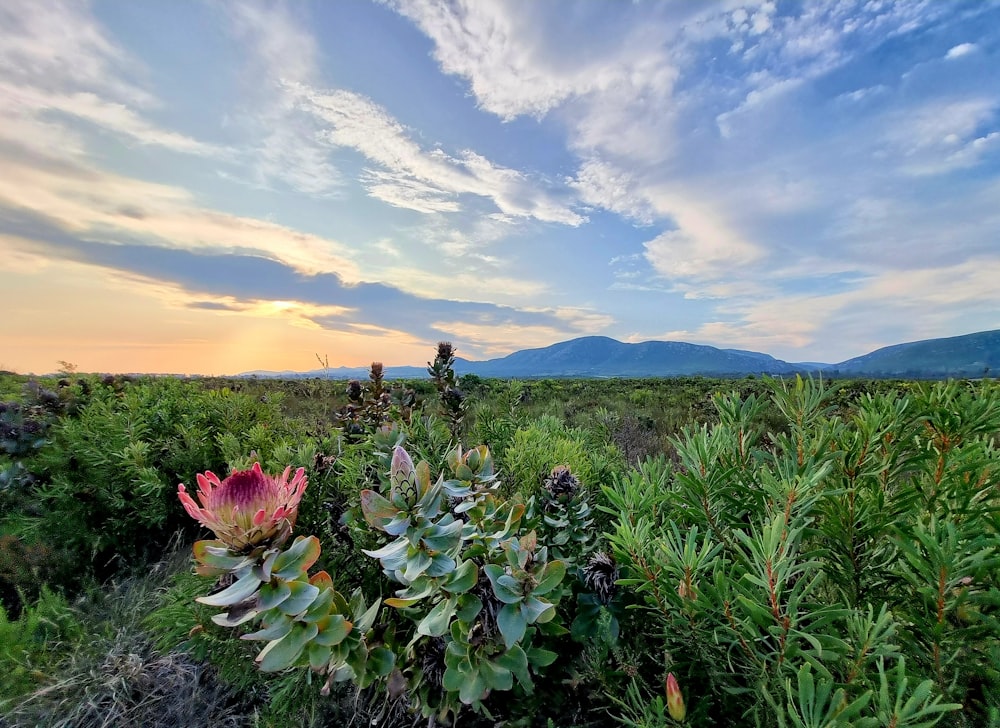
453	397
432	662
561	483
600	575
486	628
445	350
354	390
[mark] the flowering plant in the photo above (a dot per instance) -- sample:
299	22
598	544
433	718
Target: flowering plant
249	508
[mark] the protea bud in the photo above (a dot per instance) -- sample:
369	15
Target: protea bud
600	575
354	390
402	474
249	508
675	701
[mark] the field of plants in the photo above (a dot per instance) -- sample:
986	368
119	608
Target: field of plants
479	552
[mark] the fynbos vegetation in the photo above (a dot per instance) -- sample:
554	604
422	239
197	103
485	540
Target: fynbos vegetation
642	553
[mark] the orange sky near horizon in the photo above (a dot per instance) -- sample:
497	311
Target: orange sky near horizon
102	323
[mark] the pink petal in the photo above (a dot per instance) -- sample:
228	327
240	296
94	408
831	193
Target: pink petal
259	516
189	505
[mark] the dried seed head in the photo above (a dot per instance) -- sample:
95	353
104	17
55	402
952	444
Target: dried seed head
600	575
561	483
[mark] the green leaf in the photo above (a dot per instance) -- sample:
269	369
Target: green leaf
298	558
552	575
319	656
263	569
392	548
381	660
236	592
320	607
534	609
416	565
495	676
441	564
215	557
365	617
515	660
452	680
376	509
332	632
506	587
302	595
282	654
436	622
541	658
278	629
512	624
462	579
239	614
469	606
444	537
473	689
271	595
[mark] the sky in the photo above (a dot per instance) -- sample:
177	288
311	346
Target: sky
219	187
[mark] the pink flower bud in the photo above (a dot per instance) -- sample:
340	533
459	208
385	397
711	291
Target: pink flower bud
402	474
675	701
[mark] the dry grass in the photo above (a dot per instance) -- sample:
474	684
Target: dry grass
115	677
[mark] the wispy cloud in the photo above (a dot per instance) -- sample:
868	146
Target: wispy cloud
59	65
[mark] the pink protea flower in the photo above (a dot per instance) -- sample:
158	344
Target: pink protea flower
249	507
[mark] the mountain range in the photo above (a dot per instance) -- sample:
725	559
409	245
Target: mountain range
972	355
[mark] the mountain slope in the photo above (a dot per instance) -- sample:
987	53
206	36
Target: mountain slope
600	356
971	355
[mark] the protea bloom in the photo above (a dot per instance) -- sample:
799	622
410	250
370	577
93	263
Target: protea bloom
675	701
248	508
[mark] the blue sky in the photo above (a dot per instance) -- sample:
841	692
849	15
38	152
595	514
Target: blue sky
215	187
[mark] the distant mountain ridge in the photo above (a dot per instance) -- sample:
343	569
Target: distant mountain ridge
971	355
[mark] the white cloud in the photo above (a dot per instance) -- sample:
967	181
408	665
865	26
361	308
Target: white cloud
487	339
57	65
962	49
308	122
529	59
423	180
35	104
84	199
942	135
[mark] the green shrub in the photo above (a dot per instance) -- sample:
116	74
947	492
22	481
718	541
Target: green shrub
841	572
32	645
546	443
108	477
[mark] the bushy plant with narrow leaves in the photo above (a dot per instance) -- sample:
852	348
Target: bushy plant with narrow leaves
841	572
